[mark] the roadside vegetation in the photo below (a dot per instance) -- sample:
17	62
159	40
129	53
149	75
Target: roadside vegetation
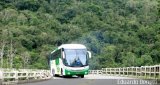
117	32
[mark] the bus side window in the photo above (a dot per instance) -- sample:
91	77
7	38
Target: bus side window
55	55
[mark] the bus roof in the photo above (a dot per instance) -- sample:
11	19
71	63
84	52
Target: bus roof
72	46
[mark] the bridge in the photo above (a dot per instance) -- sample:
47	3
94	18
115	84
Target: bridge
110	75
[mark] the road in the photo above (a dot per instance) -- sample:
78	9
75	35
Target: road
87	80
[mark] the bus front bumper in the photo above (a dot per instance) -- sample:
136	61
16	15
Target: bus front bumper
74	72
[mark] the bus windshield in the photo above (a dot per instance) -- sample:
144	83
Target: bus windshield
75	57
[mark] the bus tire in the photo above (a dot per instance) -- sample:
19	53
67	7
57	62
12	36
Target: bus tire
82	76
53	72
62	72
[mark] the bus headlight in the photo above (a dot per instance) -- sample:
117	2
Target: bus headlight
68	73
86	72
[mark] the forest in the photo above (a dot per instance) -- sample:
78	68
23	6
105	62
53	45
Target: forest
119	33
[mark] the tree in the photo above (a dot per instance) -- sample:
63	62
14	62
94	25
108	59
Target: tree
2	44
129	59
146	59
26	59
117	32
108	54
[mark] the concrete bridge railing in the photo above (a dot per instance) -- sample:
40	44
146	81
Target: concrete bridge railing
95	71
12	76
9	76
148	72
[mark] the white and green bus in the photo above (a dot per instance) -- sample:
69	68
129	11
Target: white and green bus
69	60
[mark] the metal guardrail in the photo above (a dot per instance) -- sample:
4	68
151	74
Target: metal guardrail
14	76
147	72
95	72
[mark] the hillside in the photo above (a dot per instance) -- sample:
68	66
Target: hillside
118	32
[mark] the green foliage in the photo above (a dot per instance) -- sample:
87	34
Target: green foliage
118	32
32	5
18	63
129	59
146	59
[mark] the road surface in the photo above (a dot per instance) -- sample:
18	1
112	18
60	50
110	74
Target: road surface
87	80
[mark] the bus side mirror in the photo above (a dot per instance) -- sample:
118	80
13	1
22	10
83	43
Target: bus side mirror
89	54
63	54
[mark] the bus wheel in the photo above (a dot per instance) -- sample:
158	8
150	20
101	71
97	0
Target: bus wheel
82	76
53	72
62	73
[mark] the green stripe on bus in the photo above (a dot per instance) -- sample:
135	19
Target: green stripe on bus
71	72
57	61
57	64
